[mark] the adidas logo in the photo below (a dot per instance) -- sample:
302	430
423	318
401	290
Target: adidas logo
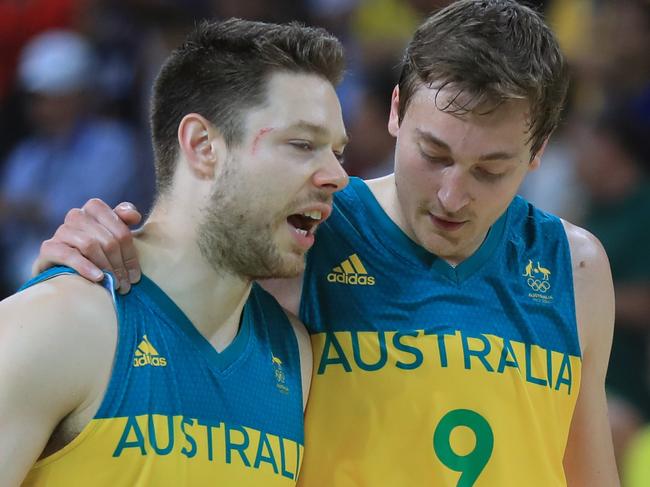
146	354
351	271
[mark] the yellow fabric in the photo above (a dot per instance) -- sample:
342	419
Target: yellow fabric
636	462
169	451
376	427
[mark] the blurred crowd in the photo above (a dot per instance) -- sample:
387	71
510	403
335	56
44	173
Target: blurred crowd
75	77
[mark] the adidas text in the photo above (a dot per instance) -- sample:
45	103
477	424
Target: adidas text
354	279
149	360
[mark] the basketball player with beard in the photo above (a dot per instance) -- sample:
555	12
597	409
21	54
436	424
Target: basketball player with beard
197	376
460	335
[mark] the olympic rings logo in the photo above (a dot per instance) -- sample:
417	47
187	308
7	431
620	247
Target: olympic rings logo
538	285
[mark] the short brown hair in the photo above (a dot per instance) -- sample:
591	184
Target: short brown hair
221	71
491	51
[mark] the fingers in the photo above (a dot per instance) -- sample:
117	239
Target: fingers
128	213
97	220
130	216
96	244
94	238
60	253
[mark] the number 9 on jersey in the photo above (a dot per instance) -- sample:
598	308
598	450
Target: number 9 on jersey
471	464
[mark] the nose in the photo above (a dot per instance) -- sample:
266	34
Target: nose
453	194
331	176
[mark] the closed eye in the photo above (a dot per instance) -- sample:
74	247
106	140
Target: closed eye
302	145
436	159
487	175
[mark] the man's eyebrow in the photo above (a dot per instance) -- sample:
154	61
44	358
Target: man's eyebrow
316	129
497	156
492	156
429	137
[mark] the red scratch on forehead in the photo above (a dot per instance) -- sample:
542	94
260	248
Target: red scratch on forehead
261	133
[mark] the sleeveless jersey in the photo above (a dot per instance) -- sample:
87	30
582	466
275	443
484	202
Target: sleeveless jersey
428	374
178	413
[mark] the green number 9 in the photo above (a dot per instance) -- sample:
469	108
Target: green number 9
472	464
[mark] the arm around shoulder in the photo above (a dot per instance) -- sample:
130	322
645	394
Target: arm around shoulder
589	456
50	356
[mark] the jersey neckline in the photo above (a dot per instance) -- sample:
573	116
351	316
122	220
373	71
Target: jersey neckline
395	240
220	360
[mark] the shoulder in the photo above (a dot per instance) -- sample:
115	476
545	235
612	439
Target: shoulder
588	257
358	190
61	301
381	187
592	282
55	337
52	355
533	221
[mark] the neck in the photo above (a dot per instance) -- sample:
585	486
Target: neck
385	192
212	299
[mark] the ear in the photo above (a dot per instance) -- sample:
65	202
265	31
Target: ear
537	158
393	119
200	144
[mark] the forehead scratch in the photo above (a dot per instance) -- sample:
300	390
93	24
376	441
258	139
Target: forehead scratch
259	135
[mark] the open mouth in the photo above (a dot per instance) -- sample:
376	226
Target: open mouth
305	223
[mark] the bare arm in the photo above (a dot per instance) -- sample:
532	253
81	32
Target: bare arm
48	370
589	457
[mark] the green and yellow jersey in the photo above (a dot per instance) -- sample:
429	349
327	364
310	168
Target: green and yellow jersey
178	413
428	374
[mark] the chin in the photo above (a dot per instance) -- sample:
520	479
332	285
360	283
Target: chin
440	246
285	266
293	265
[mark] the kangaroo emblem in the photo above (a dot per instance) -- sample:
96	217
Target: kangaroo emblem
542	270
529	269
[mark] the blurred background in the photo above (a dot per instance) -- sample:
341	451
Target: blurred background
75	78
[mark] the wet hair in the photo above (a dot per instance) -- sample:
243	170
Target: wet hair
221	71
486	52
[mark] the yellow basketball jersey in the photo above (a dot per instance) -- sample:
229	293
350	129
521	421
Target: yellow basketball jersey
432	375
177	413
